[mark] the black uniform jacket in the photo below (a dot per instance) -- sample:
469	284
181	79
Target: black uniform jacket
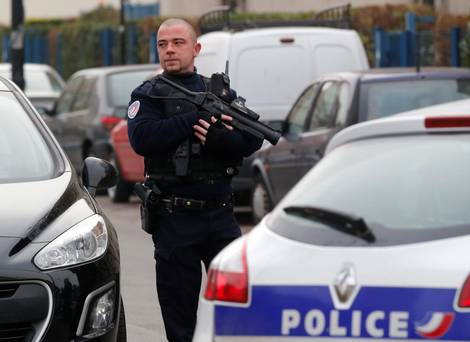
152	133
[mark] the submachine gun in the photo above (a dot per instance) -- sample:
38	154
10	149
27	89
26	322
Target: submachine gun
218	101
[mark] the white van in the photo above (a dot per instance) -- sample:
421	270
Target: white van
270	67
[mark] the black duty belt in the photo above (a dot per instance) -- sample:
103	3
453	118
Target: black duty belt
196	204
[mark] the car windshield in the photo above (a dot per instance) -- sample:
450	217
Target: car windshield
37	80
414	183
24	154
122	84
380	99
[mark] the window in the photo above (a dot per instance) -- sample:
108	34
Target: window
383	98
326	106
121	85
64	104
24	153
301	109
406	183
84	94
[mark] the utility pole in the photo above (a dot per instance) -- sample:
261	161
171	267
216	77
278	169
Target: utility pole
122	33
17	43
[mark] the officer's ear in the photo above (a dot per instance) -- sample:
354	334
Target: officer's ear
197	49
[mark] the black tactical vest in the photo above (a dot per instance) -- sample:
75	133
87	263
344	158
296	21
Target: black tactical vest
189	162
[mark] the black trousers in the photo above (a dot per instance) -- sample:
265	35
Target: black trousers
184	239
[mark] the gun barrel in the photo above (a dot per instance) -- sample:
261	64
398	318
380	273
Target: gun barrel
269	134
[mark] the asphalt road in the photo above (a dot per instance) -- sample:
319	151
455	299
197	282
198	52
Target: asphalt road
144	321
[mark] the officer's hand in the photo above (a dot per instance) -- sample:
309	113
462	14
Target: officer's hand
211	134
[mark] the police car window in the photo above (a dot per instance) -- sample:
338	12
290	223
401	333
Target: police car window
24	154
301	109
64	104
407	188
84	94
326	106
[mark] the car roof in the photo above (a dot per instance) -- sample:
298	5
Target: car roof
456	114
378	74
100	71
266	31
28	66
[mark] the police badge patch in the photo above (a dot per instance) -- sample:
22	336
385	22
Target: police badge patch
133	109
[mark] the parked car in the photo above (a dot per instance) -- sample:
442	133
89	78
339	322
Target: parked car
371	244
129	164
257	61
93	102
59	253
43	85
335	102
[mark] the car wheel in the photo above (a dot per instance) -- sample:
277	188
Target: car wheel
260	202
123	190
122	330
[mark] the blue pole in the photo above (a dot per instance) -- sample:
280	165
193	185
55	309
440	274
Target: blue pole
107	46
410	22
58	54
153	56
6	49
454	46
382	47
131	44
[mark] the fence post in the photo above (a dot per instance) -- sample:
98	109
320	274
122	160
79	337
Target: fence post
107	46
454	46
381	47
153	56
6	48
58	54
131	44
28	46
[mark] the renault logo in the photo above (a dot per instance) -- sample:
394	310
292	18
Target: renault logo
345	283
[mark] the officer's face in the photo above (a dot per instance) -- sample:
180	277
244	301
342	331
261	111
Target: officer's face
177	48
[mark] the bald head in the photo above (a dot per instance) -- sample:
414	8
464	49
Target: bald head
179	22
177	46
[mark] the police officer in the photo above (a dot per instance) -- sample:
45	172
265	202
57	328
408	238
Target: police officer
191	157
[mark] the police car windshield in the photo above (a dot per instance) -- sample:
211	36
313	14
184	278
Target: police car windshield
381	99
409	184
24	154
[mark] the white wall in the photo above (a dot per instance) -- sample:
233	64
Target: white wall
461	7
187	8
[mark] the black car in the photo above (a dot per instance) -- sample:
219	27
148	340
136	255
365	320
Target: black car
93	102
336	101
59	254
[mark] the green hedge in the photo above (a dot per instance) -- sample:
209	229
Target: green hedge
81	46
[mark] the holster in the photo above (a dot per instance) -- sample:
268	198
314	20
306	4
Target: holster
149	219
148	207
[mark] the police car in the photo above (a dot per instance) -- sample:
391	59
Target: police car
373	243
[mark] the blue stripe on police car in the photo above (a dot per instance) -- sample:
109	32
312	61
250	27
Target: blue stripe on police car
377	312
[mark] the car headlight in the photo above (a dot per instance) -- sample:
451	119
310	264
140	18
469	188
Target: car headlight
85	241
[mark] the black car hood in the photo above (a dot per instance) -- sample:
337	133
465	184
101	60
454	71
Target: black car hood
28	209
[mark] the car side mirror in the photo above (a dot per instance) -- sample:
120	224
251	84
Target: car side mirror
98	174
